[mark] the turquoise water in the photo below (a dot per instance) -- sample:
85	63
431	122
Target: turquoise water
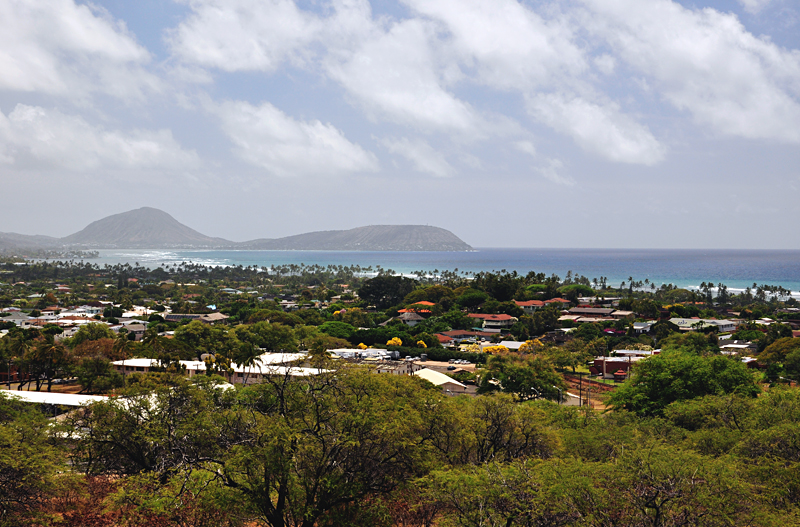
685	268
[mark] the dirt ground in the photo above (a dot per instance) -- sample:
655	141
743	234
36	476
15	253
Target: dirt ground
72	387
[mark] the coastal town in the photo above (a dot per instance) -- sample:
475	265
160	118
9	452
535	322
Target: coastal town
456	320
408	371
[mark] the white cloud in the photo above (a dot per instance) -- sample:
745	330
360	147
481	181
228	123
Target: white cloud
707	63
601	129
421	154
526	147
552	171
37	138
398	75
240	35
268	138
511	46
58	47
754	6
605	63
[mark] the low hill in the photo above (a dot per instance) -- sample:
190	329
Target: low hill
371	238
10	239
141	228
149	228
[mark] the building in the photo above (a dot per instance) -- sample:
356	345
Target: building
562	302
208	318
694	324
622	315
494	322
398	367
592	312
409	318
460	335
446	383
269	364
529	306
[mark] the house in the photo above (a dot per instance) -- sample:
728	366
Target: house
447	384
529	306
460	335
398	367
266	365
444	340
563	302
494	322
694	324
410	319
209	318
137	330
607	366
16	318
213	318
622	315
592	312
738	346
640	328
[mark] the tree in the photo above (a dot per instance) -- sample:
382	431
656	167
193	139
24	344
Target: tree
91	331
574	353
692	342
270	337
386	291
472	298
525	493
355	317
316	445
46	360
778	351
573	291
337	329
29	465
671	376
158	429
96	375
525	377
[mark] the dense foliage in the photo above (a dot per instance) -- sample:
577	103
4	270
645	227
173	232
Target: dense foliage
692	438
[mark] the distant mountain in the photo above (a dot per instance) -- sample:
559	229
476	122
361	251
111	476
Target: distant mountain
141	228
10	239
149	228
371	238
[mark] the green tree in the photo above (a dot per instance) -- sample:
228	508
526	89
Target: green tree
91	331
95	375
675	376
779	350
29	464
472	298
524	376
386	291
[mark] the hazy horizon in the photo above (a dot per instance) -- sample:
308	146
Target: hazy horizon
649	124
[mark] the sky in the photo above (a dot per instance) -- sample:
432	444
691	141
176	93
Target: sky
572	123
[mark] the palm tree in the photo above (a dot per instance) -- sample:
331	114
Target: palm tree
19	348
246	357
123	348
47	357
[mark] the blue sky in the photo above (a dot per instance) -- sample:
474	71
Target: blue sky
576	123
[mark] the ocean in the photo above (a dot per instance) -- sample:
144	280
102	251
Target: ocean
685	268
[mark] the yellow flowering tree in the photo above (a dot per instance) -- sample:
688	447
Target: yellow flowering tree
472	348
362	346
395	342
421	344
496	350
531	346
